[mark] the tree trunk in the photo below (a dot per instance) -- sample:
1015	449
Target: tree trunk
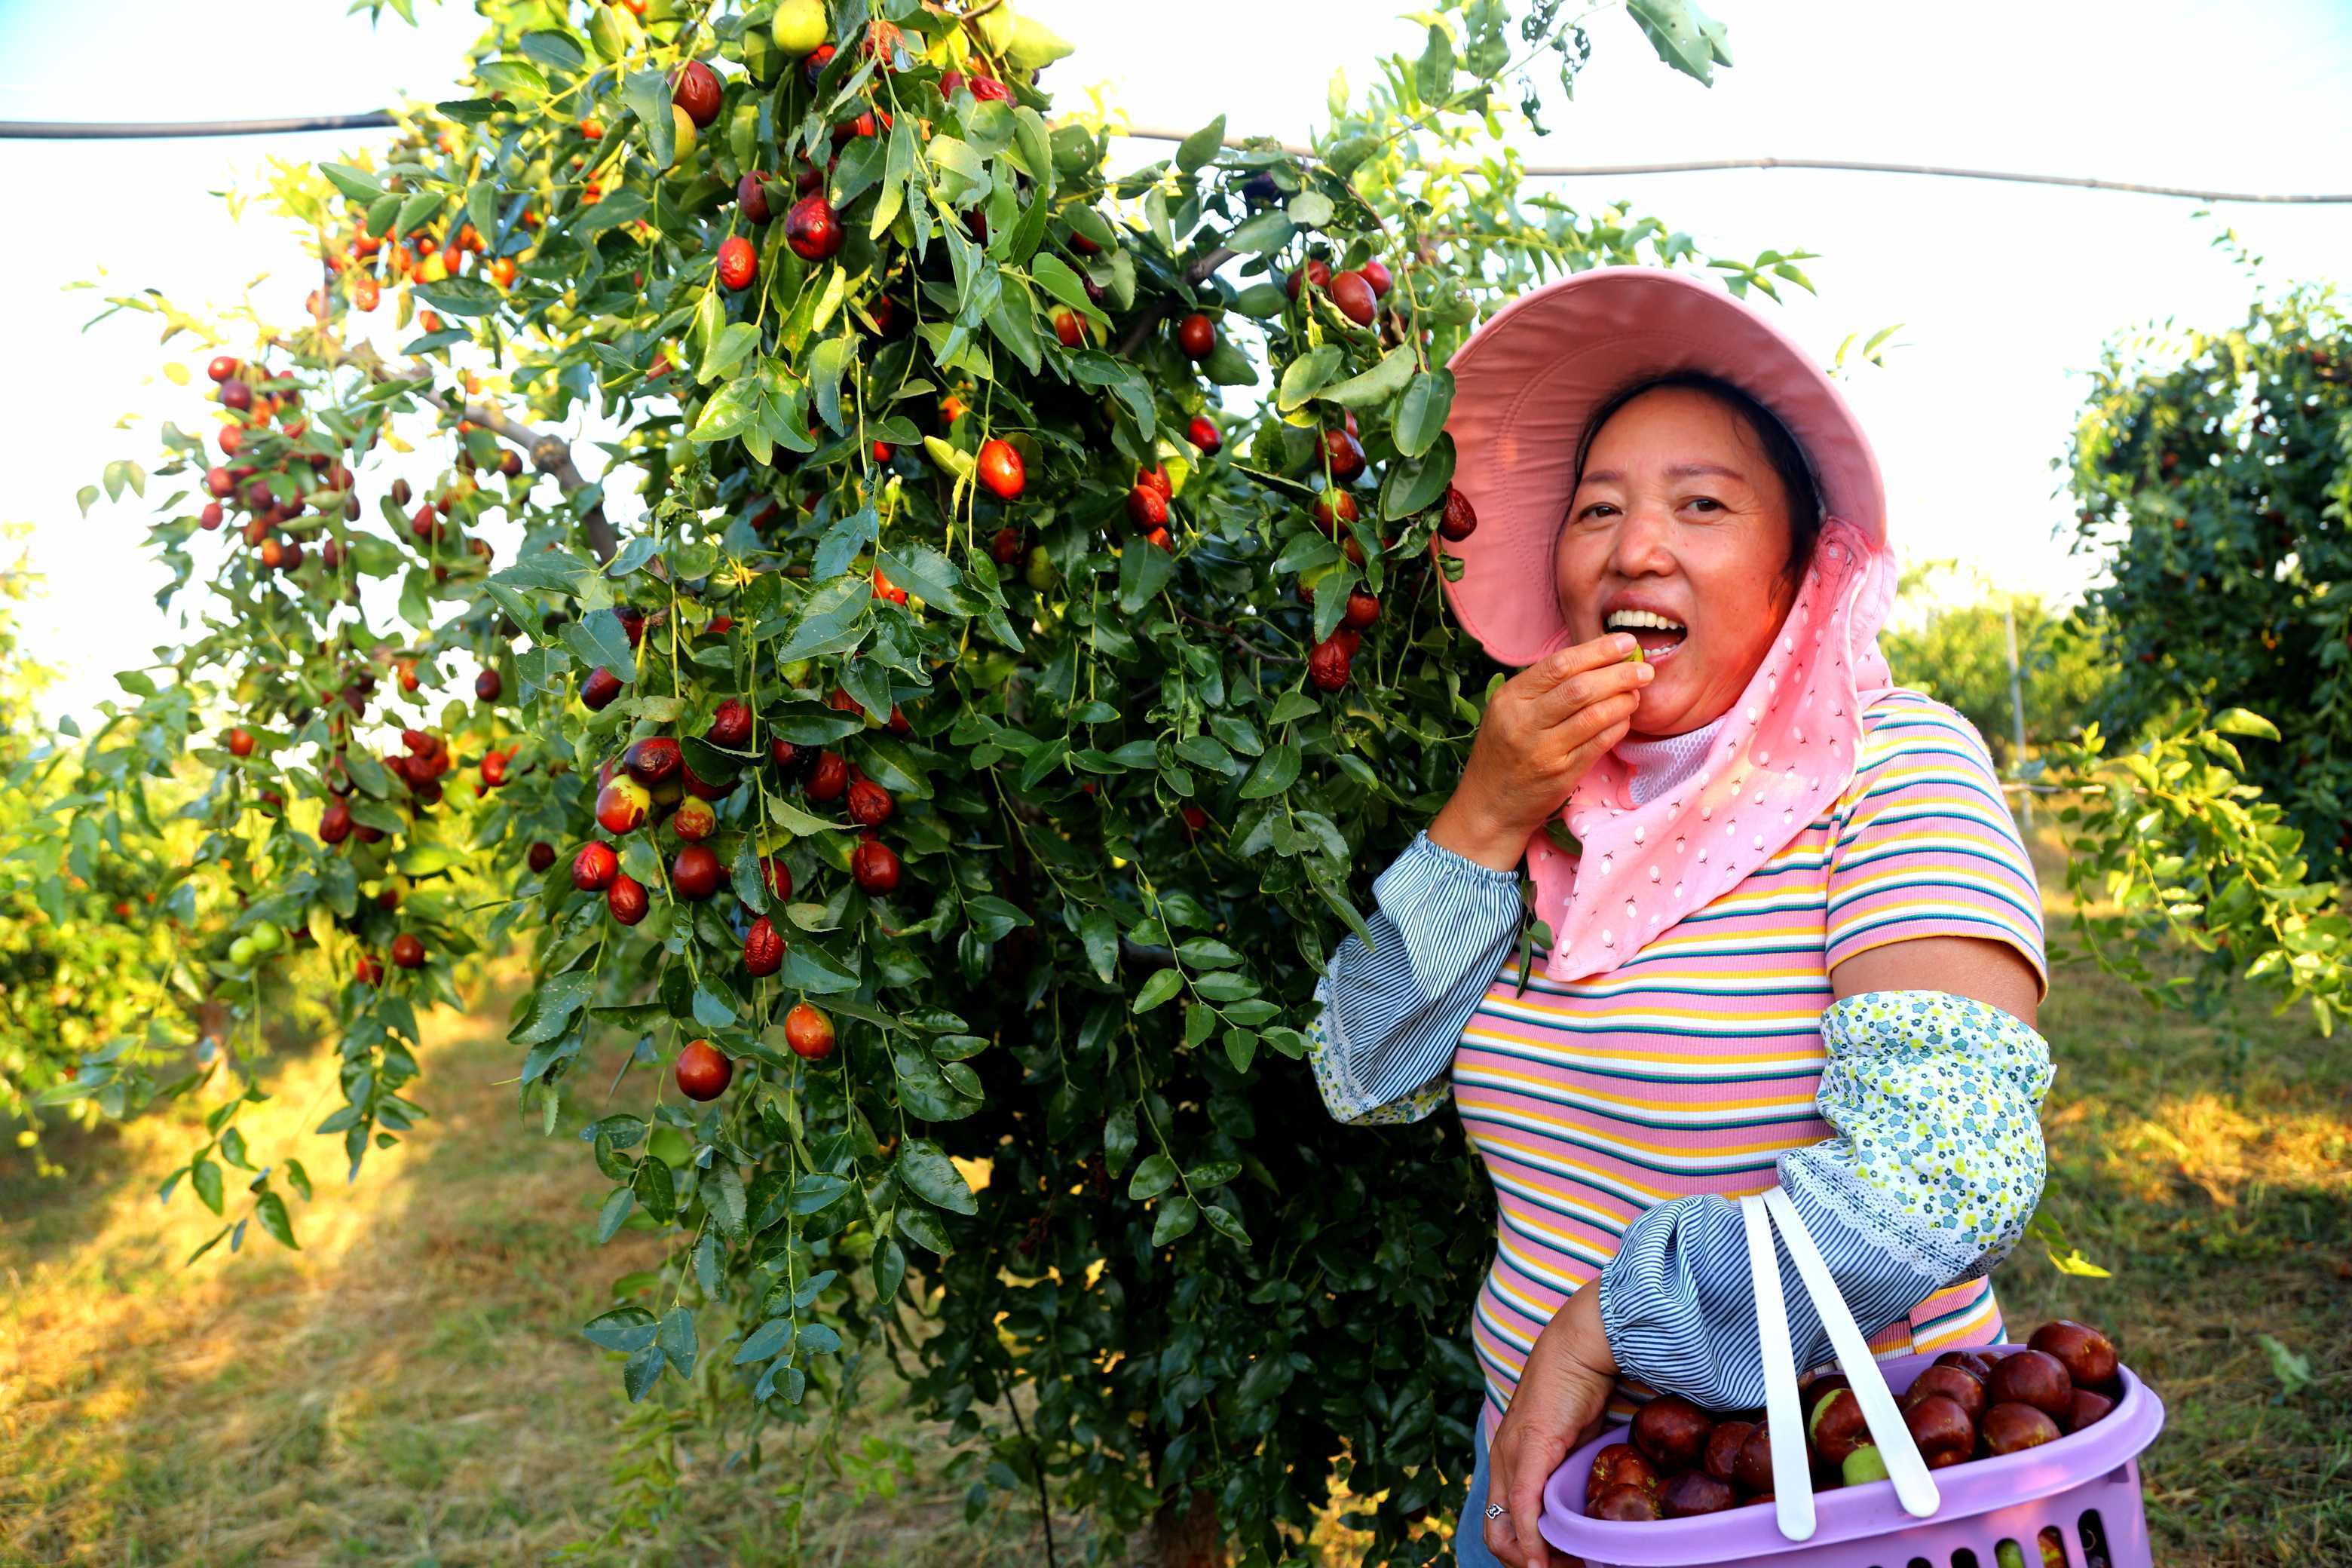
1190	1538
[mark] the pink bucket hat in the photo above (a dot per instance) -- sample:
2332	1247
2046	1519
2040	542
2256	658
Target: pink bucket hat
1526	382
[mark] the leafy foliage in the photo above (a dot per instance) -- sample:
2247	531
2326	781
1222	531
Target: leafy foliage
1959	653
2215	470
2175	847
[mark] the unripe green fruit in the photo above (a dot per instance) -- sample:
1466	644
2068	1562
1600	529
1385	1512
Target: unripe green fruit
800	26
761	56
1040	574
796	673
267	938
1865	1464
241	953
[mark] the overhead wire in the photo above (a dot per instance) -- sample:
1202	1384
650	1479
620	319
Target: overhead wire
76	130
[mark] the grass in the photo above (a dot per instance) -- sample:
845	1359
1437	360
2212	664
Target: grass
410	1388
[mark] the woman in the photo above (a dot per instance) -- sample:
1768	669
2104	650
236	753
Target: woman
1795	937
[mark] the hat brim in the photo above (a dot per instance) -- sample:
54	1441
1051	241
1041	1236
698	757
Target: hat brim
1527	381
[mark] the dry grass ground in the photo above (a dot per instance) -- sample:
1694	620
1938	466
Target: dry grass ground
410	1388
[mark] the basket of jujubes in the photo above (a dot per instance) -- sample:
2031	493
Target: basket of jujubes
2033	1449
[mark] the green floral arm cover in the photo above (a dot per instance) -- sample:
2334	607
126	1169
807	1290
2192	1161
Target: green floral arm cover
1936	1103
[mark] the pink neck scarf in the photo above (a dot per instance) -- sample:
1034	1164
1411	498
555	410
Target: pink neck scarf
1784	751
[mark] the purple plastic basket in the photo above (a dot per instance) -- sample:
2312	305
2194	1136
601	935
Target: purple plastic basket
2092	1472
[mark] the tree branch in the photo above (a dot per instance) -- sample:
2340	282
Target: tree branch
550	455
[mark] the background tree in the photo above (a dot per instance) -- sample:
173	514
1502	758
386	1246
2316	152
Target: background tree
2213	470
1950	639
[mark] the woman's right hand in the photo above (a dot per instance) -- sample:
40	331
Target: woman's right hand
1546	726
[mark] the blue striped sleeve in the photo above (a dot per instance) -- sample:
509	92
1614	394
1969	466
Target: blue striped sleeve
1937	1165
1391	1014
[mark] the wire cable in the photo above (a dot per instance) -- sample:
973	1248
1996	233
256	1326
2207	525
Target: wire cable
144	130
80	131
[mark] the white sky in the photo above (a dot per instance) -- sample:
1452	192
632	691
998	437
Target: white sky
2006	293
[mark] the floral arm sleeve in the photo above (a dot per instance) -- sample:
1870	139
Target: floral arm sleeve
1390	1014
1935	1167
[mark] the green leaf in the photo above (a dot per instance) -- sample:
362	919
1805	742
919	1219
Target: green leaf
617	1205
1163	985
1273	772
271	1209
656	1189
205	1177
2241	721
1178	1216
765	1341
929	577
1377	384
1415	484
516	79
646	94
677	1340
598	638
1154	1177
1421	411
546	569
1434	72
417	207
621	1328
642	1371
1202	146
722	1193
1118	1140
460	295
1685	37
1223	1222
354	183
1261	300
1310	209
897	168
559	50
732	344
1100	937
2293	1370
931	1175
922	1228
1306	375
1144	570
425	859
1268	231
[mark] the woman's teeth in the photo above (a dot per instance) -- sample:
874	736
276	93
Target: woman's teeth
1659	636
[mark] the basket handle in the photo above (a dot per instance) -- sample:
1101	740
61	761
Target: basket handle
1784	1420
1913	1486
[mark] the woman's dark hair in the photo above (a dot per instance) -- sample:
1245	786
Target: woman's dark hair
1780	450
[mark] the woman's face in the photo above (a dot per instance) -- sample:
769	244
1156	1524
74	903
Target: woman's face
1678	533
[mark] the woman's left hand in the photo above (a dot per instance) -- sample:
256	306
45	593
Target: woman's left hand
1561	1399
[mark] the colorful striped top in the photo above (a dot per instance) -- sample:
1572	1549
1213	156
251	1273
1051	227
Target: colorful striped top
1694	1067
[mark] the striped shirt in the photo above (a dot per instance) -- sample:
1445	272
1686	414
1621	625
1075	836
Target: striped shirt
1693	1068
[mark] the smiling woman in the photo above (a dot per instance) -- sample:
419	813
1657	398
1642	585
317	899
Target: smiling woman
1687	491
1798	928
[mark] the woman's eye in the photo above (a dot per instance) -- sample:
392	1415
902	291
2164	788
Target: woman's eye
1704	503
1597	510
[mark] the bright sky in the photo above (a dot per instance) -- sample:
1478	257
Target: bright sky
2006	293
